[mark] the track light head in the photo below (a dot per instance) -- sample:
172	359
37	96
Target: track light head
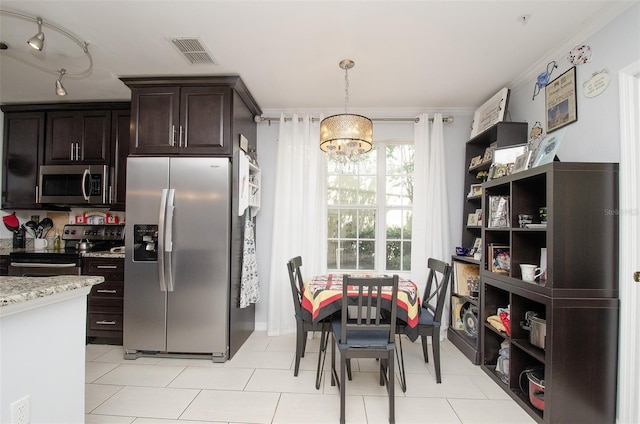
60	91
37	41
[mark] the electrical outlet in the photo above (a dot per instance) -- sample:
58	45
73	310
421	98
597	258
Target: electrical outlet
20	411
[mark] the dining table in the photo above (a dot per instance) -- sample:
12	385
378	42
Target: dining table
322	297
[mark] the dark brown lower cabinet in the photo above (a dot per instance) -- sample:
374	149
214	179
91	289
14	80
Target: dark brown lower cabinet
105	302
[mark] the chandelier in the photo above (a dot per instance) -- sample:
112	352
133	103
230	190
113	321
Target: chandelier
346	136
37	43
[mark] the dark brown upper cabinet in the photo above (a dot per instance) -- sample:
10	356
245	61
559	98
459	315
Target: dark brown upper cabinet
188	116
23	143
78	137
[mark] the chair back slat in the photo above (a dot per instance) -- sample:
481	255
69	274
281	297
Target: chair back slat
436	287
369	304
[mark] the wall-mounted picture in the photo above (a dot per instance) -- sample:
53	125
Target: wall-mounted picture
491	112
560	98
548	148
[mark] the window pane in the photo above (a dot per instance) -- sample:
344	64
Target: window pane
367	222
367	255
368	166
407	224
348	223
348	190
406	256
348	255
332	254
367	195
393	256
399	159
394	224
332	223
333	190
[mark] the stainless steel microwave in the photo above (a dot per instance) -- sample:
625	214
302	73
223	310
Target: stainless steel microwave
74	184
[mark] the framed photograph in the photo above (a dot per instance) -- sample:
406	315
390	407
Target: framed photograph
472	220
522	162
500	257
488	155
244	143
477	245
548	148
475	161
491	112
475	190
508	154
560	101
461	271
499	212
479	215
500	170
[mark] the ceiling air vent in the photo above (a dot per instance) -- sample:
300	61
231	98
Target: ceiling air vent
193	50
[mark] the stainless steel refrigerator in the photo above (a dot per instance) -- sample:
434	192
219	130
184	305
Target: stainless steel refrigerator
178	256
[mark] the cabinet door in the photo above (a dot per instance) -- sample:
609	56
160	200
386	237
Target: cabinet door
23	145
120	150
75	137
203	114
155	120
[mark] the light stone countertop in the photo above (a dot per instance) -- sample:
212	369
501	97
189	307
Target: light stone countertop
15	290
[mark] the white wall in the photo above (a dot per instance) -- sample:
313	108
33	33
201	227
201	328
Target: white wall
595	136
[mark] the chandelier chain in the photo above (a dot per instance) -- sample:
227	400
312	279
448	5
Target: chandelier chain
346	90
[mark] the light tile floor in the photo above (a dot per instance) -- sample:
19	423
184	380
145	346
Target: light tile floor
258	386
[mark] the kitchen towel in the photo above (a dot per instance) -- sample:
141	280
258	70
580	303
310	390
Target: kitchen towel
250	285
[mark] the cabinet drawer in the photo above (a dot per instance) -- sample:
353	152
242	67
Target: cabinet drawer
104	267
111	322
107	294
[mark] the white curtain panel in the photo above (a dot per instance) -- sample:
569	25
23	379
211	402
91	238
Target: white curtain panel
299	225
431	234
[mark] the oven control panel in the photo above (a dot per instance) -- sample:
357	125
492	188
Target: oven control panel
93	232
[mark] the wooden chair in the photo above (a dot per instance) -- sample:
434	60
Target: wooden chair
303	326
367	335
430	315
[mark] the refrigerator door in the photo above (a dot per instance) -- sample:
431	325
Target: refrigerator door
197	249
144	300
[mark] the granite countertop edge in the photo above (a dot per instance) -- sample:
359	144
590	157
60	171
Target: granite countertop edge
16	290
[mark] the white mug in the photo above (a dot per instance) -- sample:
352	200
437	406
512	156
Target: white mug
530	272
40	243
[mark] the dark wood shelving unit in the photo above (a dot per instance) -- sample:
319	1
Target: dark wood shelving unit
578	300
503	134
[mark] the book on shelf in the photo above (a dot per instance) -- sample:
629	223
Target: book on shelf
464	273
499	212
500	257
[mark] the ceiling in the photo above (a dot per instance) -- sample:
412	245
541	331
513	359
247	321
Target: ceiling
408	54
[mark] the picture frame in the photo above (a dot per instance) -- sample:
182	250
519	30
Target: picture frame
475	161
472	220
477	245
548	148
561	104
491	112
499	212
479	214
488	154
500	257
522	162
475	190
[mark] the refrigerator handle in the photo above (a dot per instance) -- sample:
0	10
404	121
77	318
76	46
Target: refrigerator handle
168	239
161	227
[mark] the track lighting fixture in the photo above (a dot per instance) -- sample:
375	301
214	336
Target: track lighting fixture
24	54
37	41
60	91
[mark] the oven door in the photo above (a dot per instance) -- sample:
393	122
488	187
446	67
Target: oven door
35	269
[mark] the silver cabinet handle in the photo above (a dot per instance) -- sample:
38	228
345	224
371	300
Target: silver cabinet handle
106	322
77	151
106	291
173	135
71	156
107	266
181	134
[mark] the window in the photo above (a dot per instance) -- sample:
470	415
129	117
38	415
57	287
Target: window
369	210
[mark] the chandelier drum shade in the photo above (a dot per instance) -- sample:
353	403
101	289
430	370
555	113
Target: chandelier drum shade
346	136
63	54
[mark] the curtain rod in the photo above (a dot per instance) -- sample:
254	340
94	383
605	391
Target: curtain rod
445	119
